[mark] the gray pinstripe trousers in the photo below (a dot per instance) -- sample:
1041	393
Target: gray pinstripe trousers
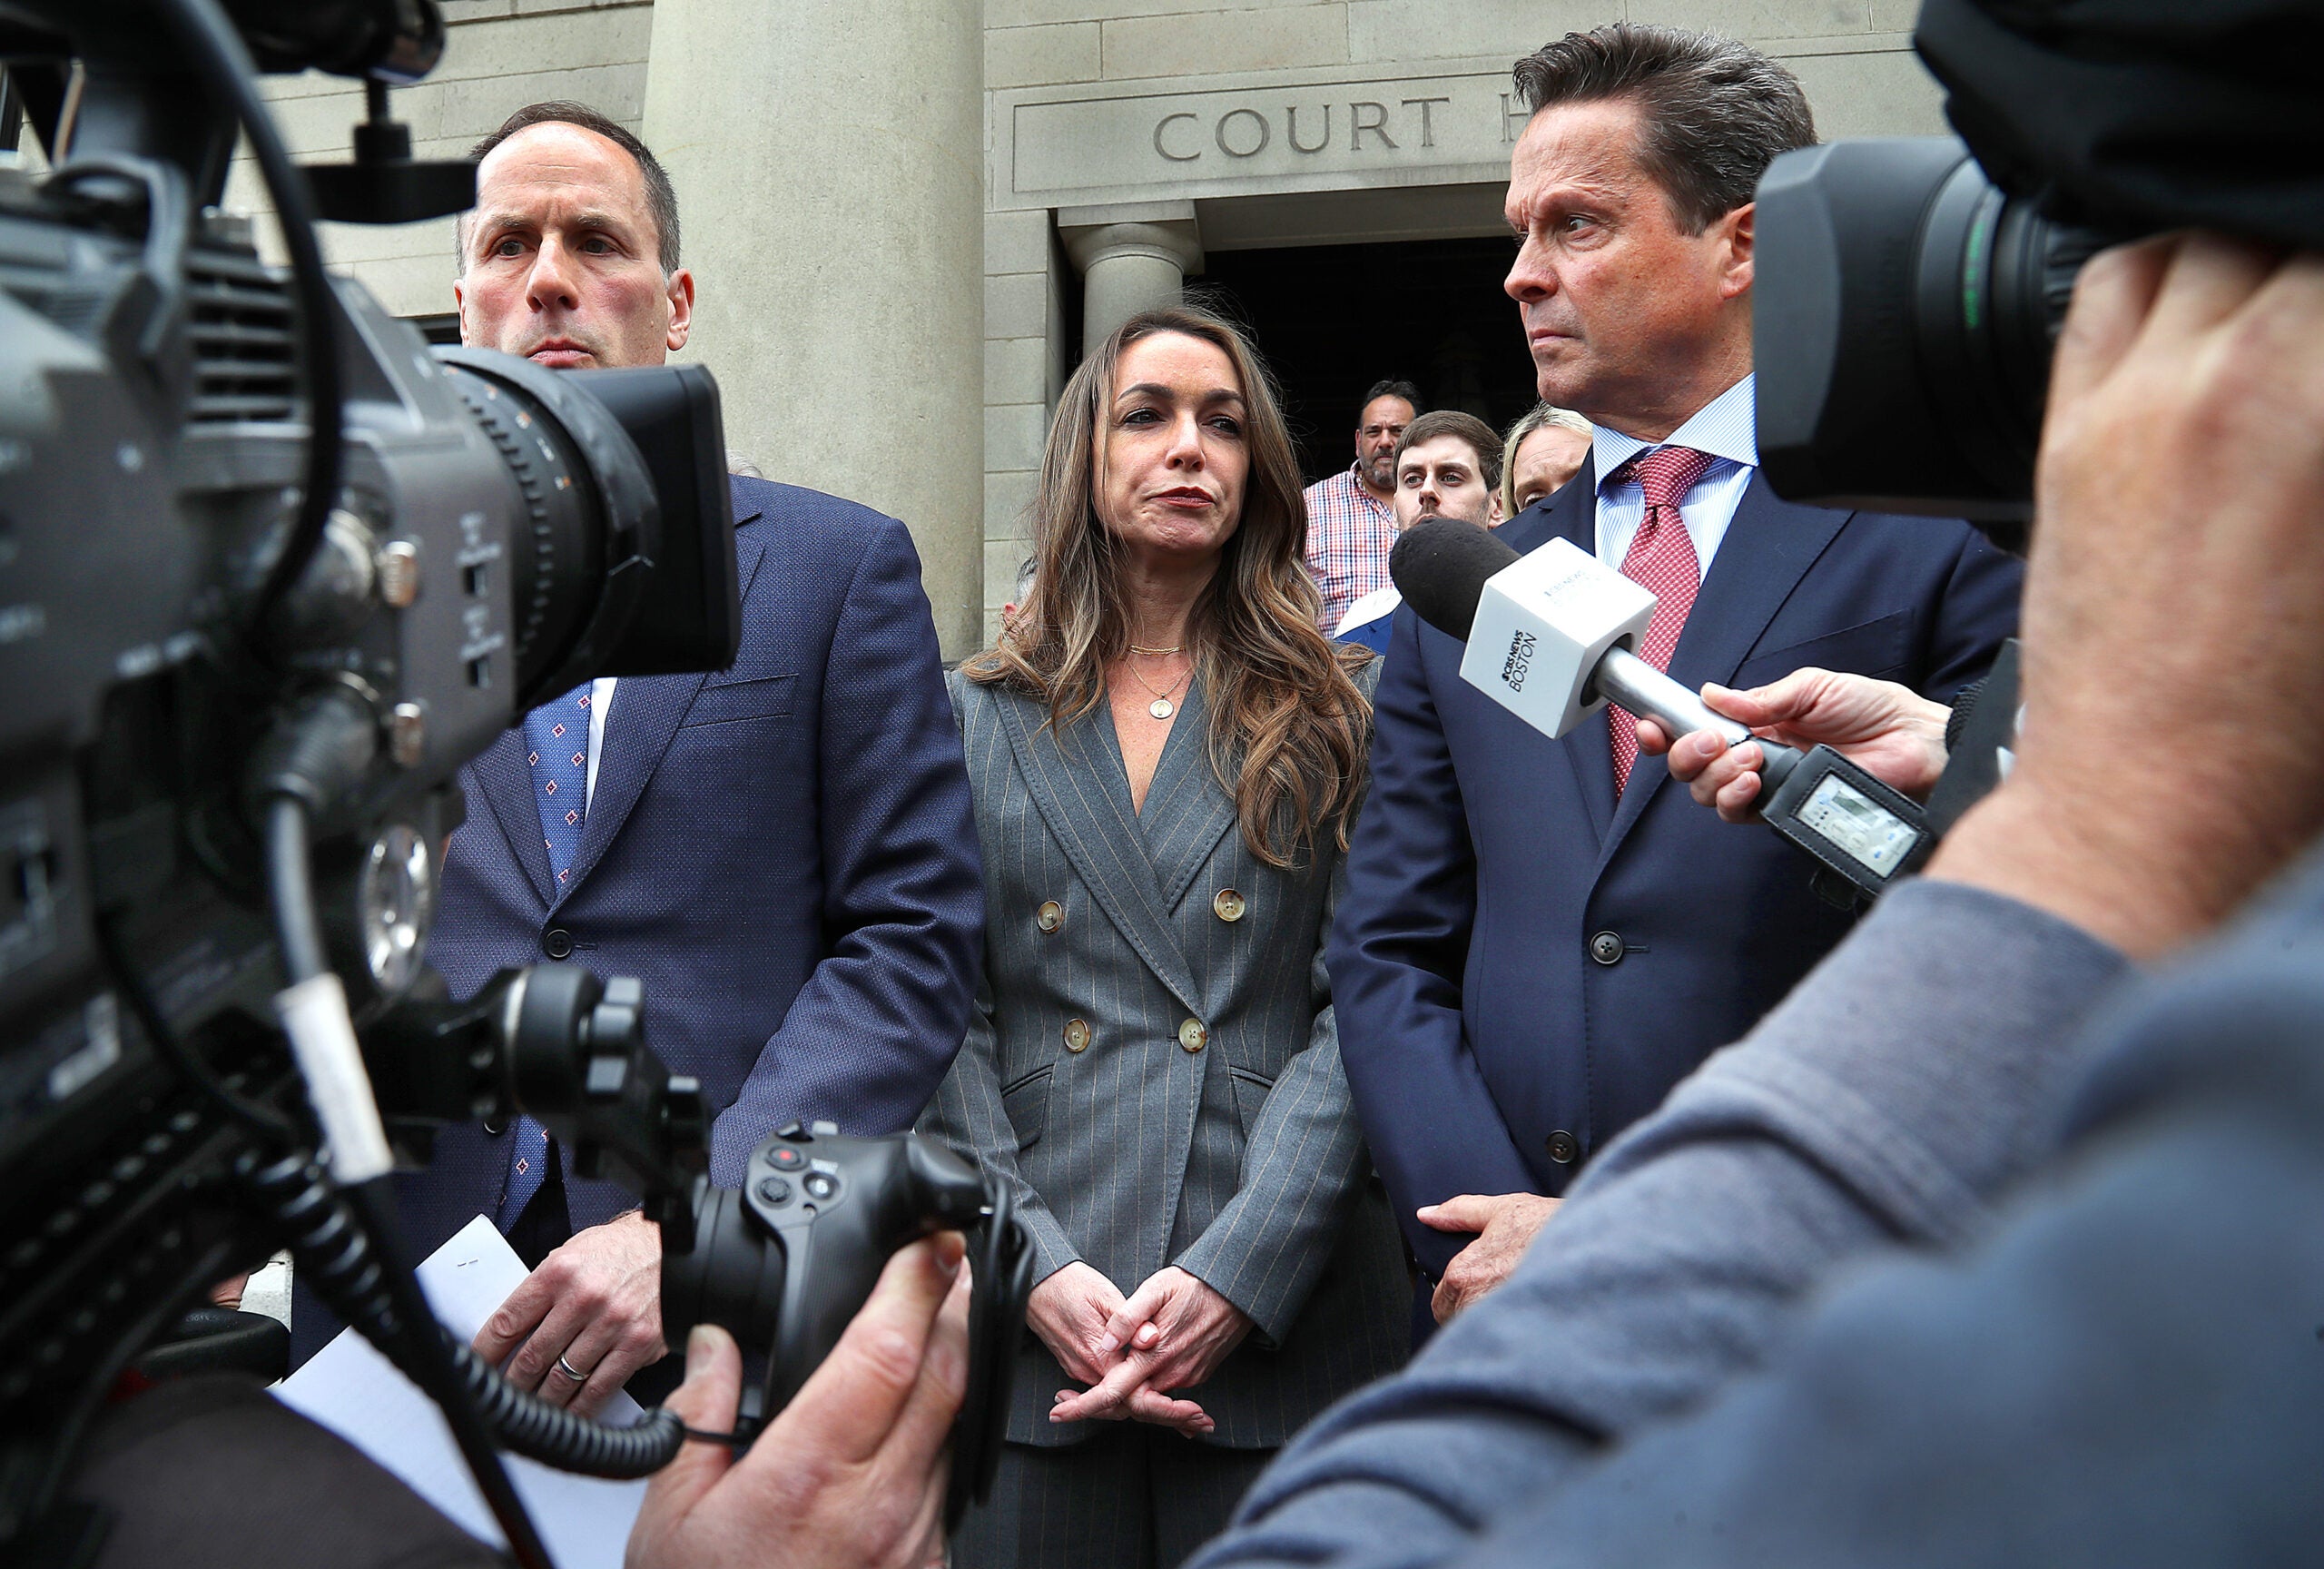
1131	1497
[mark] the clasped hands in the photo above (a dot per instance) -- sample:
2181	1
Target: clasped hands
1171	1334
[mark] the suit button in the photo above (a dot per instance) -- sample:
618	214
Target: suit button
1076	1034
1562	1147
557	942
1050	918
1606	948
1194	1035
1228	905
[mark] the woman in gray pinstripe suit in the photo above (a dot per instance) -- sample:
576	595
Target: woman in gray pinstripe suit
1166	755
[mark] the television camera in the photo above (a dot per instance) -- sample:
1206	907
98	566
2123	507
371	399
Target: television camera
270	570
1909	291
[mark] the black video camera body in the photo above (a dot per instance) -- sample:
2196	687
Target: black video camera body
271	571
786	1260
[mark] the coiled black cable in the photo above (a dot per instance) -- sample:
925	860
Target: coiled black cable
335	1256
553	1435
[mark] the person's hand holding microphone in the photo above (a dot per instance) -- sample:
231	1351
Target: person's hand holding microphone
1890	731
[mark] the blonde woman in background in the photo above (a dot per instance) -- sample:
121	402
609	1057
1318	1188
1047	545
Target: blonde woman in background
1544	450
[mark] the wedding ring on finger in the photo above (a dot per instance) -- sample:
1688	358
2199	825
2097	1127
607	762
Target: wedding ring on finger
570	1371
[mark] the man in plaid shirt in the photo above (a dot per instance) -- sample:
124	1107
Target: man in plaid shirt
1351	518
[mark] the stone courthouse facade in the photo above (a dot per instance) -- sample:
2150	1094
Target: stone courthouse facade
908	216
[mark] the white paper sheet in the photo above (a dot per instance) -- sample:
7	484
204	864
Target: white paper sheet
351	1390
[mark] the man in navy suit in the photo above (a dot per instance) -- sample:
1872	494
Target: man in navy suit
781	852
1538	938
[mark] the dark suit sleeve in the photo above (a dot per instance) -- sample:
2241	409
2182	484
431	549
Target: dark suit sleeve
2125	1368
1916	1075
1977	614
872	1032
1397	955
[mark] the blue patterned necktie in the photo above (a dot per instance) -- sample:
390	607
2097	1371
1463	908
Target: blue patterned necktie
556	760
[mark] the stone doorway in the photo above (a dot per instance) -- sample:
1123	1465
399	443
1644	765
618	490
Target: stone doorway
1333	319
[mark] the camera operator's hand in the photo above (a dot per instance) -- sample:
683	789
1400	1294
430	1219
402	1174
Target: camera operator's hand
2172	752
1891	732
1504	1225
852	1474
1172	1333
596	1304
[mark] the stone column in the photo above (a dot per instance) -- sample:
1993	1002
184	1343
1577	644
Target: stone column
1132	258
828	156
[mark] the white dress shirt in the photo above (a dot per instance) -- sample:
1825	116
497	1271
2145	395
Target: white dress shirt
601	699
1724	428
1370	607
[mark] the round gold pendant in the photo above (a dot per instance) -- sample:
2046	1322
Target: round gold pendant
1160	708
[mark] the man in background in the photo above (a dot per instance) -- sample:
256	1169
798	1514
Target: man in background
782	853
1538	939
1447	465
1351	521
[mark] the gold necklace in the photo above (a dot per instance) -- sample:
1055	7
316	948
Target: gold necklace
1161	707
1158	653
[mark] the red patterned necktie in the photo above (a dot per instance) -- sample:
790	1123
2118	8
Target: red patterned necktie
1661	558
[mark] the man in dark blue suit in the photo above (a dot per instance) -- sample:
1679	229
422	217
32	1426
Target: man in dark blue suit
781	852
1538	938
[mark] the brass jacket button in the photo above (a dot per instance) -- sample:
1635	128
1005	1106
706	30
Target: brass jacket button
1050	918
1076	1034
1194	1035
1228	905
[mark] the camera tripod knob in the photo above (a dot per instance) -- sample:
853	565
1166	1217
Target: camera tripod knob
949	1189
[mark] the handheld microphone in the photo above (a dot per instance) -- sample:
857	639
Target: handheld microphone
1552	637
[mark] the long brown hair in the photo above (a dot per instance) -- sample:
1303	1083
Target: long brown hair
1288	729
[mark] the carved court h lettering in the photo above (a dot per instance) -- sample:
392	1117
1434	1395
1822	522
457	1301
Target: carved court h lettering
1246	131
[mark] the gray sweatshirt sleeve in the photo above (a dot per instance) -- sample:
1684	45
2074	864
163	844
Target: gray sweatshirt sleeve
1890	1098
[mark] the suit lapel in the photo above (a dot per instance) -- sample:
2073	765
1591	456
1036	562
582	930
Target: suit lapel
1768	546
506	785
1074	773
1188	810
646	713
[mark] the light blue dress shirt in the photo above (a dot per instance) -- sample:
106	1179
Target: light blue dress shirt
1725	429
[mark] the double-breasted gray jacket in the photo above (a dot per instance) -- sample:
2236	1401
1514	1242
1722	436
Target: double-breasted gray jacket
1153	1066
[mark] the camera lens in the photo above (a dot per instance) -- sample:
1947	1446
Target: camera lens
590	511
1994	281
1905	312
623	561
